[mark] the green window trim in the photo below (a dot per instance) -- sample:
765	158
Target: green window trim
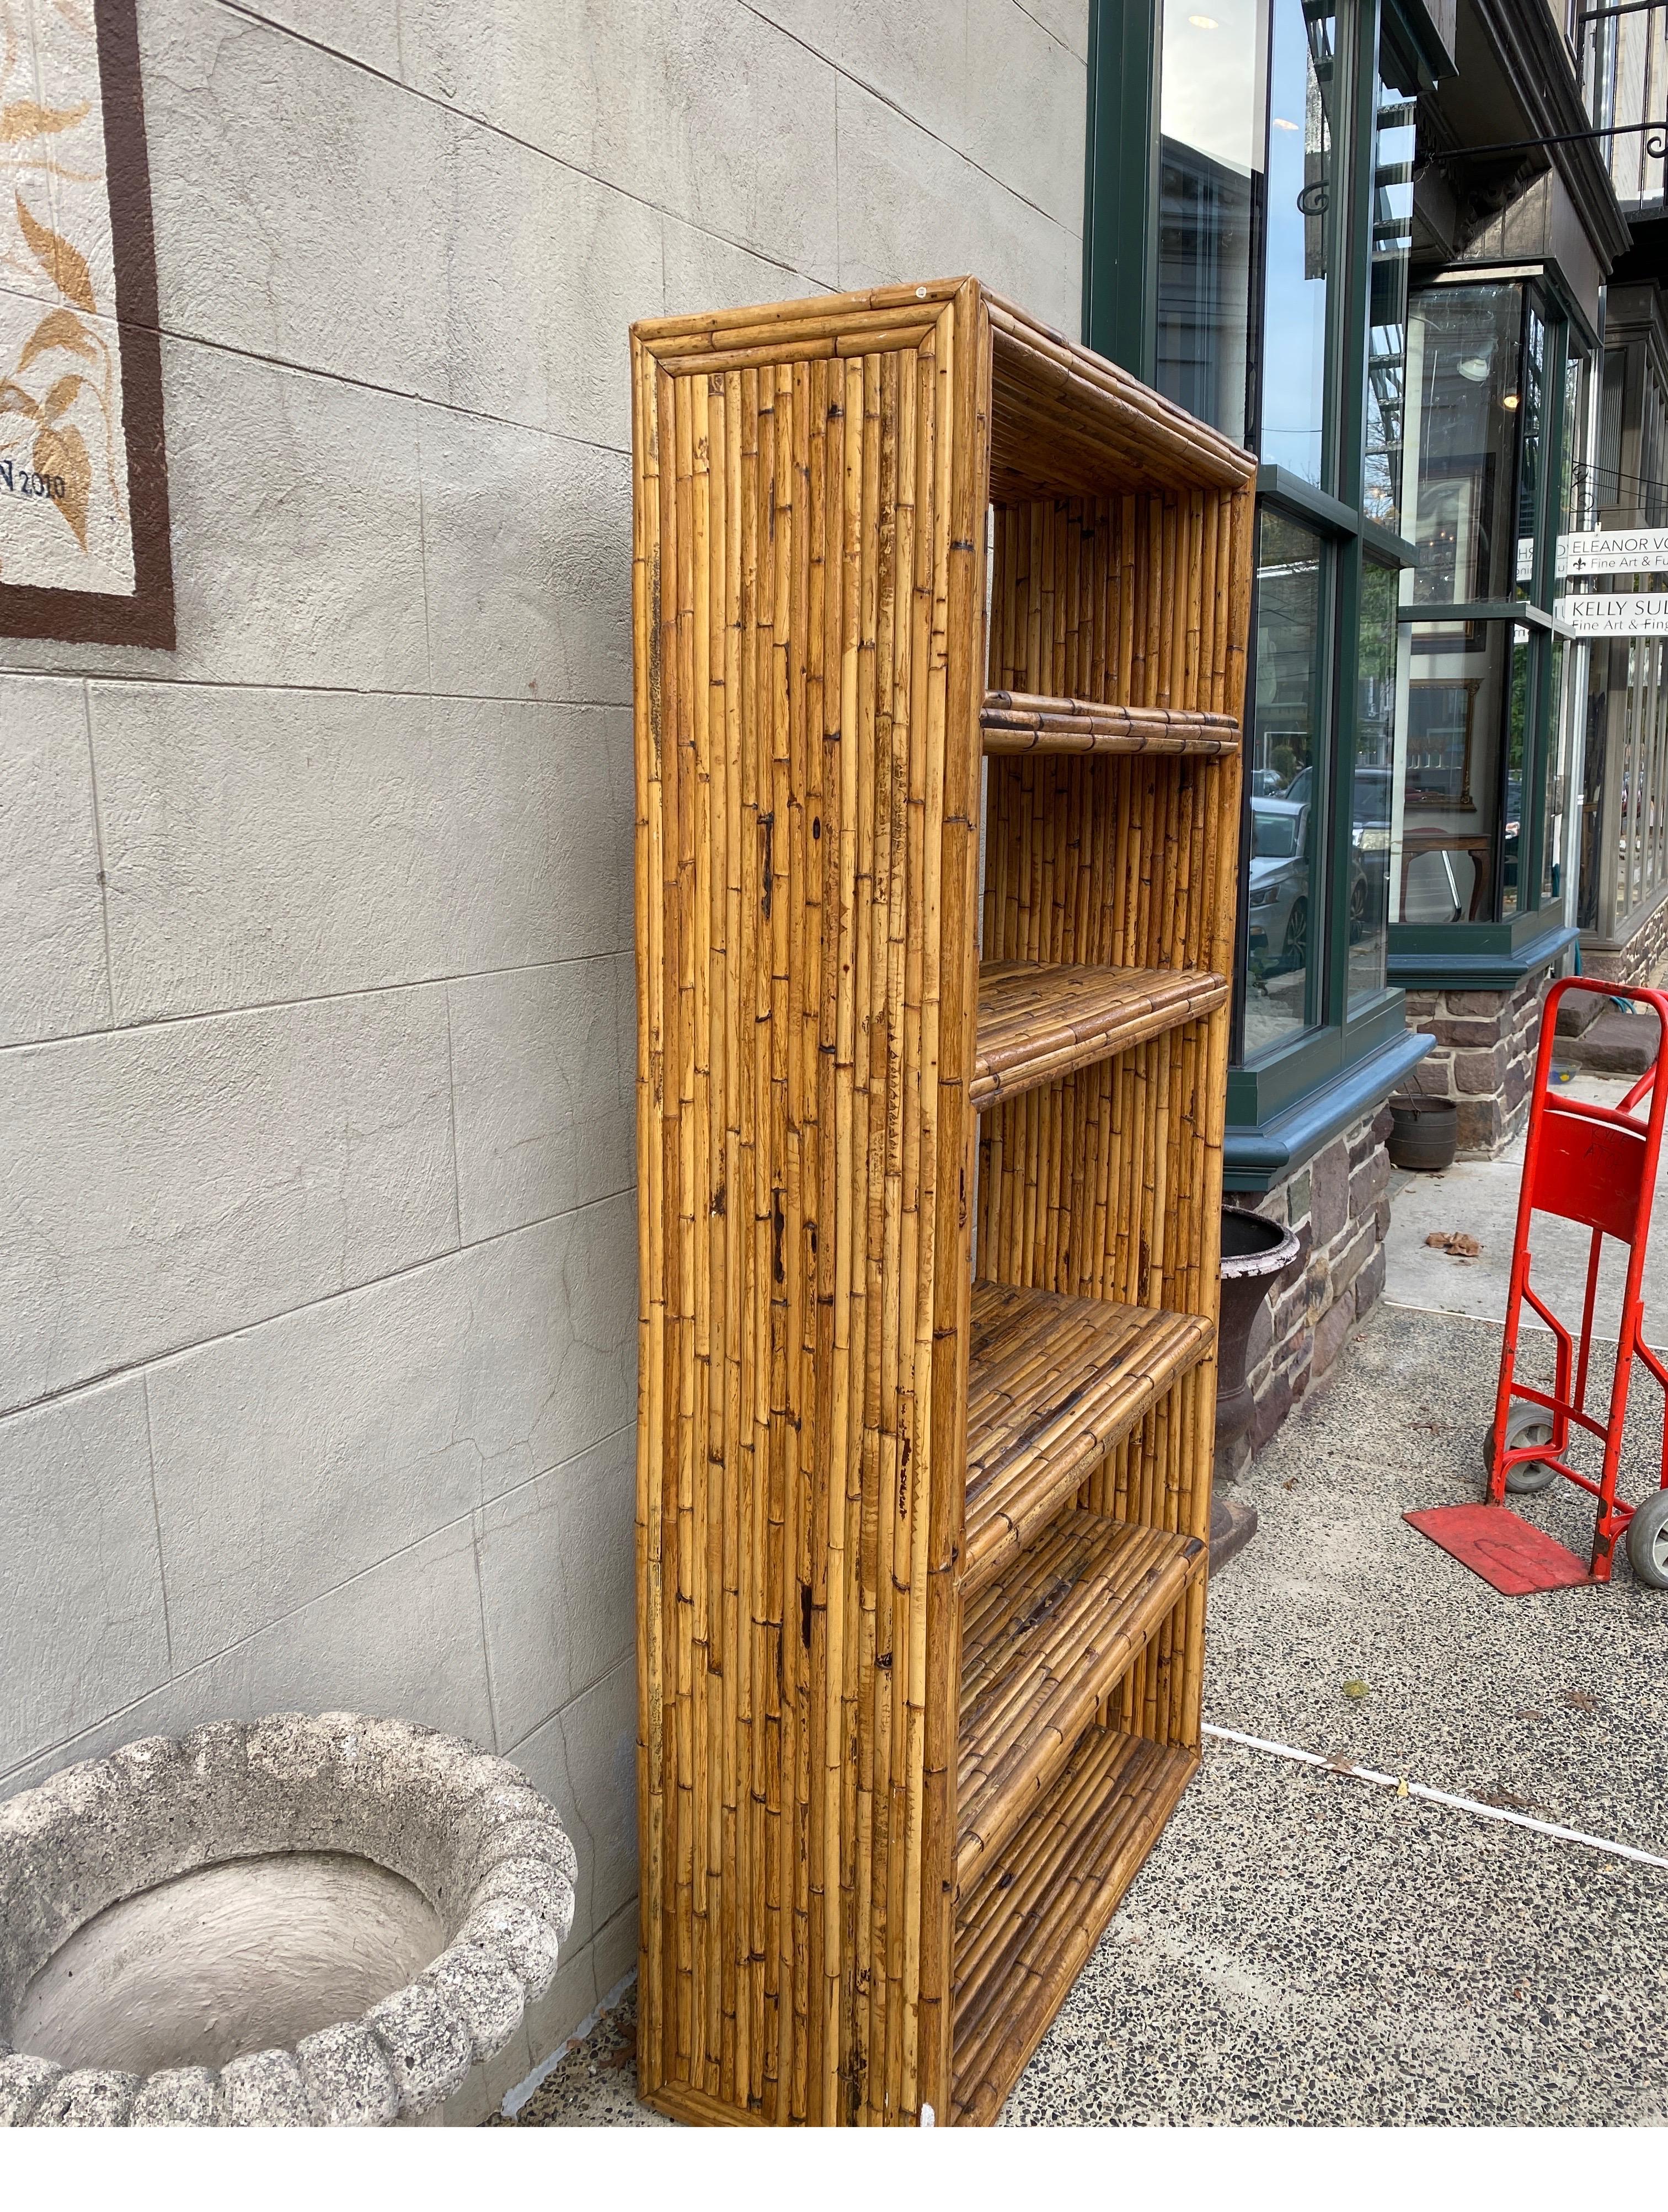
1494	955
1120	186
1259	1150
1463	953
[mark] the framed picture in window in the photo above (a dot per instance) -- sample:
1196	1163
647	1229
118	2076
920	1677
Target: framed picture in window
1453	510
1440	712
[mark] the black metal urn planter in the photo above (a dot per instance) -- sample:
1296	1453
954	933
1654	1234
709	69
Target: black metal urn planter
1255	1253
1425	1133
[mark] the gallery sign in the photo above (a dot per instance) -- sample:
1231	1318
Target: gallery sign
83	484
1615	614
1612	552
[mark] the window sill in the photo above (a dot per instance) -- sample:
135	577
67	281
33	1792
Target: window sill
1475	956
1255	1157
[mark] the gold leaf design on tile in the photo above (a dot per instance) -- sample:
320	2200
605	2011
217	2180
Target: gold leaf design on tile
27	118
60	382
60	455
61	261
62	396
60	328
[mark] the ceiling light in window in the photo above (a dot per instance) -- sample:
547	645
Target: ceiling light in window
1205	22
1475	369
1281	124
1510	400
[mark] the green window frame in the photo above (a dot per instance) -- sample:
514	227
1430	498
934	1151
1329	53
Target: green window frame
1497	952
1120	293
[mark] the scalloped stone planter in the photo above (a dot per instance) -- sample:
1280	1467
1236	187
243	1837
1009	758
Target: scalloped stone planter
297	1922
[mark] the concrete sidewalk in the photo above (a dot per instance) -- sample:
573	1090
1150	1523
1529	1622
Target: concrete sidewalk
1481	1198
1301	1948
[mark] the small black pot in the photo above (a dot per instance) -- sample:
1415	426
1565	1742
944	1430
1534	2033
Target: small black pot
1425	1133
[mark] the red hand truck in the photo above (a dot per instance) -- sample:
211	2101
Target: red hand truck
1596	1165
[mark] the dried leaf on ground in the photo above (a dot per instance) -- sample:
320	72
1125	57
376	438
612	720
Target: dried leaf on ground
1455	1241
1582	1700
1354	1690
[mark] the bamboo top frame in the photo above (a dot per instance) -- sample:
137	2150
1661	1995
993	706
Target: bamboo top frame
1062	419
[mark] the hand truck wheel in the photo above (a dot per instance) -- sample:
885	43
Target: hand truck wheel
1525	1425
1648	1541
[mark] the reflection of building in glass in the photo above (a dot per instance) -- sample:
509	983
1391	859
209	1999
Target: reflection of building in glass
1623	906
1204	241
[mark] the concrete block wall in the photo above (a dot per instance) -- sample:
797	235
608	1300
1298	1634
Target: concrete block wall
316	1031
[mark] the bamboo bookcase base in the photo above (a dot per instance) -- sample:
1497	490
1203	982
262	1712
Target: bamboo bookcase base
939	630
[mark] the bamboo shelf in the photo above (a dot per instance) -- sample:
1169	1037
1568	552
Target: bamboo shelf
939	637
1053	1385
1039	1021
1024	1932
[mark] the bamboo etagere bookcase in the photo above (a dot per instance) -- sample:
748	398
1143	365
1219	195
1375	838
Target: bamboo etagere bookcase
929	1199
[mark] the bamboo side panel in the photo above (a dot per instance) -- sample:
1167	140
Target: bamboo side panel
806	578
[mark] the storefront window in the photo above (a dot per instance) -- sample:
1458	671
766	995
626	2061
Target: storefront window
1459	691
1464	368
1288	781
1211	125
1374	785
1393	133
1301	220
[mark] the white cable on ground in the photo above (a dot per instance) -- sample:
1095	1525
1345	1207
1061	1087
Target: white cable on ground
1403	1787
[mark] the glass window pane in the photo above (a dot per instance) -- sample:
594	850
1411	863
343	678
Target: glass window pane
1287	782
1463	348
1515	842
1302	109
1372	785
1595	883
1445	863
1211	126
1531	451
1575	489
1552	836
1393	120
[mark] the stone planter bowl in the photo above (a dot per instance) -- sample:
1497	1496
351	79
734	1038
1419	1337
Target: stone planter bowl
301	1921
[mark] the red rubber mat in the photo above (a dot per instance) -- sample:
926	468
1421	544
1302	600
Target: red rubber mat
1506	1552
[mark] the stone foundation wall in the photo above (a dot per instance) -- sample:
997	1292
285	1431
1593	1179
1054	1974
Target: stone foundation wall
1640	959
1339	1206
1483	1057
